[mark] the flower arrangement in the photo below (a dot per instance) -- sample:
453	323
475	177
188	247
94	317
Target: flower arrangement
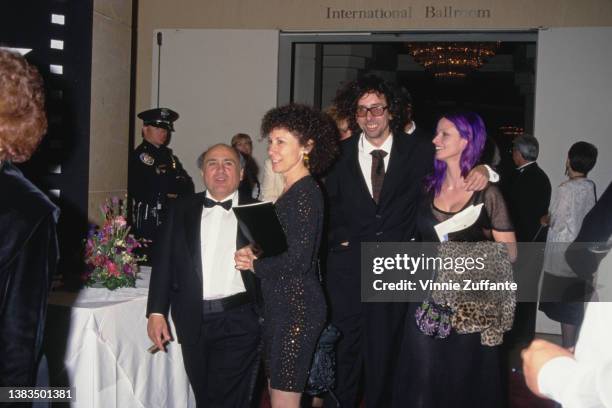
110	256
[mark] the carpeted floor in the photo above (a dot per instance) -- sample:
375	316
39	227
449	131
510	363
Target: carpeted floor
520	396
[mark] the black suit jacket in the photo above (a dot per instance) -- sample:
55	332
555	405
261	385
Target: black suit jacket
176	276
529	199
356	218
423	134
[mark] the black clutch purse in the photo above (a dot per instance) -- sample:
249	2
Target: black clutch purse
322	374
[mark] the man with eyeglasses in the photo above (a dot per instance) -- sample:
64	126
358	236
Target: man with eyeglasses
373	192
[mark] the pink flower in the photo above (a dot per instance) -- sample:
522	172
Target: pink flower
112	269
120	221
99	260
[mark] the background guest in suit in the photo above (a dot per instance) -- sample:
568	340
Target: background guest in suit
529	194
528	199
250	182
273	184
213	305
410	127
373	191
155	174
28	241
574	198
342	122
300	141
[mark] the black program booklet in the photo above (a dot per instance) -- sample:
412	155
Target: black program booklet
261	227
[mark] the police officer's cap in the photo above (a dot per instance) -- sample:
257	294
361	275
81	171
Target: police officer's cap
159	117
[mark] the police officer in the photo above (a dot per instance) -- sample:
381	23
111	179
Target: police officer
155	176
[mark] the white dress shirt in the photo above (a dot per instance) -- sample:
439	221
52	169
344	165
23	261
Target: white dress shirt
520	168
365	158
410	130
586	381
218	229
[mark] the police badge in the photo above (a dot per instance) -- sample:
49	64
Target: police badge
146	159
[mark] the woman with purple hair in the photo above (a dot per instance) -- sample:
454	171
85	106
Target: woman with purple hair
459	370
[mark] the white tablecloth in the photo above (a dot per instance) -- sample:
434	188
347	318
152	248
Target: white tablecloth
96	341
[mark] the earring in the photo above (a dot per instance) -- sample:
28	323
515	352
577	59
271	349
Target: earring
306	160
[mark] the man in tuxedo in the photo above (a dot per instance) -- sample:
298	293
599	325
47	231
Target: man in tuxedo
373	191
213	305
528	201
530	190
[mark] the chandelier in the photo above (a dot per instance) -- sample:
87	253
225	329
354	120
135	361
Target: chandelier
452	59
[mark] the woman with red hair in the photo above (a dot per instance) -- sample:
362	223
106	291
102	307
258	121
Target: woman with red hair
28	241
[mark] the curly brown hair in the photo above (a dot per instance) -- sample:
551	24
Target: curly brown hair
306	123
23	122
348	95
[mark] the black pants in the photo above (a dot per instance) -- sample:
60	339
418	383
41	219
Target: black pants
367	354
222	366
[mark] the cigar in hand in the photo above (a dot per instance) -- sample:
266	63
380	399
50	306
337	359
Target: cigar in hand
154	349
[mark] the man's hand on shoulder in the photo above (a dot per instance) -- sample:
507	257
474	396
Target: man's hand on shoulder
477	179
158	331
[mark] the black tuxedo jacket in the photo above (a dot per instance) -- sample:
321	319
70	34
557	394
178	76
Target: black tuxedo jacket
529	199
176	276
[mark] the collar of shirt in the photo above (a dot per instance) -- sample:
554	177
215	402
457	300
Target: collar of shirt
411	129
233	197
366	147
525	165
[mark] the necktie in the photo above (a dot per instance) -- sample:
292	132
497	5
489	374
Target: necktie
208	203
378	172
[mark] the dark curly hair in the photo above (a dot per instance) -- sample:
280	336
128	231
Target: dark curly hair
23	122
347	97
306	123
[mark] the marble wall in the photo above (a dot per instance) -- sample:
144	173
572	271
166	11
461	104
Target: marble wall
110	102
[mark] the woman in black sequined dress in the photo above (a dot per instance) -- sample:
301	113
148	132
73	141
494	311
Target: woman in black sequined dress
301	141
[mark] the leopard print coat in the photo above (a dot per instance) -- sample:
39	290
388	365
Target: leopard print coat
488	312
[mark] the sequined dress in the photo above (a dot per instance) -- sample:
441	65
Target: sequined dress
294	304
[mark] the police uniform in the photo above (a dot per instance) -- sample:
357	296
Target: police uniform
155	177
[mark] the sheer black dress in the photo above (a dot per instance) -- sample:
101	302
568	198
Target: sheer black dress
456	371
294	304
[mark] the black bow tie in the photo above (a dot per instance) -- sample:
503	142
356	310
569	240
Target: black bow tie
208	203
